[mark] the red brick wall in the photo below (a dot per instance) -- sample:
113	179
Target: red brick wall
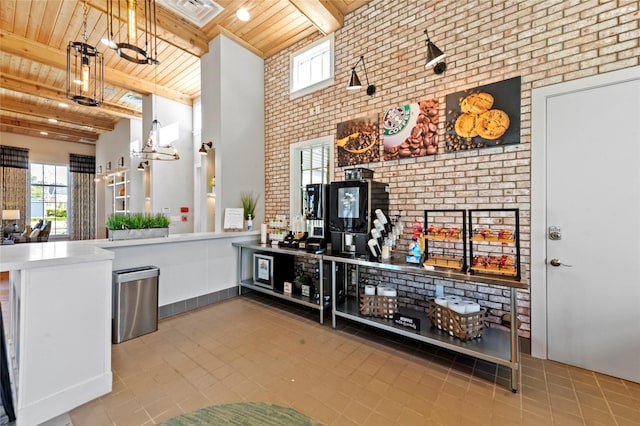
543	42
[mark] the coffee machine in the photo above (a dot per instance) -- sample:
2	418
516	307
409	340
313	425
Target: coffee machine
316	214
352	207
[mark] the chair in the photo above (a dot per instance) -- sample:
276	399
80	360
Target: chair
39	234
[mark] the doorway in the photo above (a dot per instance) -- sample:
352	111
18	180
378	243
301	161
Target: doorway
585	254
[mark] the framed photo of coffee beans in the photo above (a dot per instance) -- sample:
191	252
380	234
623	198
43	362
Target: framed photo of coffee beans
411	130
358	141
484	116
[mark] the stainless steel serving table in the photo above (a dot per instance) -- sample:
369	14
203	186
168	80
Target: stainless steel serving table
246	281
496	345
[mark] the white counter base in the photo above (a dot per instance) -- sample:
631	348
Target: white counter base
58	332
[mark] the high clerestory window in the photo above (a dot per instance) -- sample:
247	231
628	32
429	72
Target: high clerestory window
311	68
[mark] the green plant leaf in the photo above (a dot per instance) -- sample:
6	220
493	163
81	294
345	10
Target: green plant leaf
137	221
249	202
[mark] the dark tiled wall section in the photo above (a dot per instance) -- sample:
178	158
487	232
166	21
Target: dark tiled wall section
196	302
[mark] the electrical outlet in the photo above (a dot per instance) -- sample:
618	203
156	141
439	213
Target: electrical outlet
439	290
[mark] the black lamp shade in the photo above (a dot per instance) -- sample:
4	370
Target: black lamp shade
354	81
434	55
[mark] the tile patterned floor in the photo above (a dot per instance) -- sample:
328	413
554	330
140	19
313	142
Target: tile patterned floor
244	349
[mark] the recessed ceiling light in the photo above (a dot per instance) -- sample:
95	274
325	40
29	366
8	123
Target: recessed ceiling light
53	120
44	133
243	14
62	105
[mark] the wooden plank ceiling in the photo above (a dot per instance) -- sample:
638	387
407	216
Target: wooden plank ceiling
33	40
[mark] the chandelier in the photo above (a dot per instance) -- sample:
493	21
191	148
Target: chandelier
85	70
125	40
152	149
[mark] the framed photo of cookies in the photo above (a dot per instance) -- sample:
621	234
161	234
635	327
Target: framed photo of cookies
484	116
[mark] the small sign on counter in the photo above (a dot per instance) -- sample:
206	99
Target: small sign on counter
233	219
407	321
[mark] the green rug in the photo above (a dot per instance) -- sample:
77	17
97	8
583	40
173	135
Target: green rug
243	414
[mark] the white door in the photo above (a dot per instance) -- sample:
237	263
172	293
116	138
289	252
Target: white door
593	196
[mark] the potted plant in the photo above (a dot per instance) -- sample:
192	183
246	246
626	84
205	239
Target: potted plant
249	202
303	283
137	225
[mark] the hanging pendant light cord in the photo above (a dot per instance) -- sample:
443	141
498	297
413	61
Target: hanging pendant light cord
85	14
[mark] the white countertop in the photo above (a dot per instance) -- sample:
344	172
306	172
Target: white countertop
37	255
176	238
40	255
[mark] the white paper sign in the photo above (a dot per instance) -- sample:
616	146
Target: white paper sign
234	218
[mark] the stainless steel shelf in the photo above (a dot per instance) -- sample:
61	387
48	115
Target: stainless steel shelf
296	298
247	281
493	346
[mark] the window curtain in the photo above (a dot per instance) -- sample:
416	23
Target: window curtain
14	172
82	214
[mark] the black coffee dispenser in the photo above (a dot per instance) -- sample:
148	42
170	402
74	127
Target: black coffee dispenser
352	207
315	212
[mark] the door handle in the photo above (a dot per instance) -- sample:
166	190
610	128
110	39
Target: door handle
555	262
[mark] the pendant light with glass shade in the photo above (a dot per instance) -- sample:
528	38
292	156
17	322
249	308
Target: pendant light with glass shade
152	148
85	70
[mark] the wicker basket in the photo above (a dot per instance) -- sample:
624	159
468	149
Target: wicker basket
378	306
462	326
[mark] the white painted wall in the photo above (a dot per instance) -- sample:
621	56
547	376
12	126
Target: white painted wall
109	148
46	150
233	118
172	181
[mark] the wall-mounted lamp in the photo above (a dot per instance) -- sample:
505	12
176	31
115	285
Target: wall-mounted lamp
354	81
203	148
121	168
107	170
143	165
99	175
435	57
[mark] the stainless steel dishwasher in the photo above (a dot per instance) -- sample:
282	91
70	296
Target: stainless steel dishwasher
135	302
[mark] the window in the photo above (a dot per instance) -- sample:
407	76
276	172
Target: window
311	68
311	162
49	196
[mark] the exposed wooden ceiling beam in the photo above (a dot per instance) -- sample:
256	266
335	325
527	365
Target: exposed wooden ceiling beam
36	126
171	28
324	15
23	86
37	52
71	118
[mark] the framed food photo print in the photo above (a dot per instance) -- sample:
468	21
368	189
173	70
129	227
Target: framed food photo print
411	130
358	141
484	116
